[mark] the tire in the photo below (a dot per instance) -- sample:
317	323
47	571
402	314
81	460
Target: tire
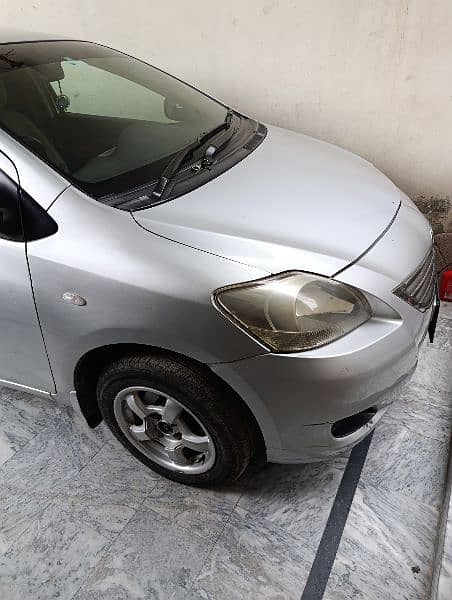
209	411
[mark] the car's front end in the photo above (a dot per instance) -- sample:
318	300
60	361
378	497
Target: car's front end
322	400
346	296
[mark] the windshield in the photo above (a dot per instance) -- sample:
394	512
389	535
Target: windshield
107	121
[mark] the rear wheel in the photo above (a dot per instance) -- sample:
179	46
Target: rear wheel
177	419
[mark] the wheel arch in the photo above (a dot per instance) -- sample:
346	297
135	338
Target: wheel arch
93	362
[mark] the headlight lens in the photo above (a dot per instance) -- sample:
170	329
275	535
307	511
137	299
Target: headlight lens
294	311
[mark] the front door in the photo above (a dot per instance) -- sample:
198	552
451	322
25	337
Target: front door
23	360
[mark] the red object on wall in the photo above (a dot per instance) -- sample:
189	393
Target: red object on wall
445	288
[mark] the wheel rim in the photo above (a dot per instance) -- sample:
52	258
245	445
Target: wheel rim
164	430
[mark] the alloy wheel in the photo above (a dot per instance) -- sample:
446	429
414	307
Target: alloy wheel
164	430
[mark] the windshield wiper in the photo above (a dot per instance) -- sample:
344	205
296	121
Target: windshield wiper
175	163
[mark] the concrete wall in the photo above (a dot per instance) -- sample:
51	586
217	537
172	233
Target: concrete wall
374	76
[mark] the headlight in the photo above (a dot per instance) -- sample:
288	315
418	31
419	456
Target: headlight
294	311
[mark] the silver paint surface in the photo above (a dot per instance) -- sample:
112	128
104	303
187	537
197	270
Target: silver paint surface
293	203
22	353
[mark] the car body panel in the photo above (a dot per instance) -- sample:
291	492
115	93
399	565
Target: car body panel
392	260
294	203
139	288
23	360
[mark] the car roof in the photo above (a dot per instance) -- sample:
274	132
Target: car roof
8	36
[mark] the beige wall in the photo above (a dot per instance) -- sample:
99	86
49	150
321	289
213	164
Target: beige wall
374	76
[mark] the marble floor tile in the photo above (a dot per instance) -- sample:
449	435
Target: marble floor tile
18	511
445	576
107	519
152	558
45	464
51	557
446	310
387	549
400	460
295	498
82	442
201	510
35	412
112	477
443	334
10	444
434	369
252	560
422	411
22	416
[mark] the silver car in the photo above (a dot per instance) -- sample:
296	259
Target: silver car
216	290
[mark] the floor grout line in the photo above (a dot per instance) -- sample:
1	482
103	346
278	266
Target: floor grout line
17	451
108	547
214	543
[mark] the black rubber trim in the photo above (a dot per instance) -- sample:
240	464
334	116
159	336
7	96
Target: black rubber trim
349	425
334	528
37	223
186	181
21	218
10	215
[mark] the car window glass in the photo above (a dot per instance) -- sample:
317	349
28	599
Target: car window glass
93	91
110	123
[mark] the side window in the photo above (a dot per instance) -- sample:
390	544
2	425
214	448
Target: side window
93	91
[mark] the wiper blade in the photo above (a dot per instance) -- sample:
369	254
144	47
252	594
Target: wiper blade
175	163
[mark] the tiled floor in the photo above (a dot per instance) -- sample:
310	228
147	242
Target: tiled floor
81	519
445	570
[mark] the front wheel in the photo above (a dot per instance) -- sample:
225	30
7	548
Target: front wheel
177	419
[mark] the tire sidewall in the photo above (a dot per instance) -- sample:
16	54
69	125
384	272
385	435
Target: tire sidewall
196	394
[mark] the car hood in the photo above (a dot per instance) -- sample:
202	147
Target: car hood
294	203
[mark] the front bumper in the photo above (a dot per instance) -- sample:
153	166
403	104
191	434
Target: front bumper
296	398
